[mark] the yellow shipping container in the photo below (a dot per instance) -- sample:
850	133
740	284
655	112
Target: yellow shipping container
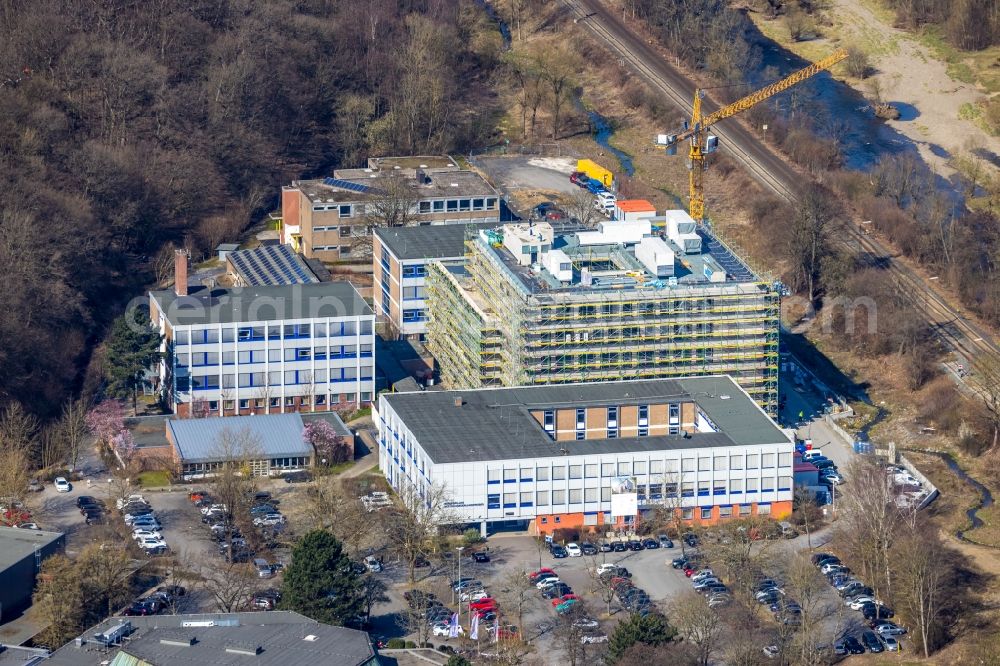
595	171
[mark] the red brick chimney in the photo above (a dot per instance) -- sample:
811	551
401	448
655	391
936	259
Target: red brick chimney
181	272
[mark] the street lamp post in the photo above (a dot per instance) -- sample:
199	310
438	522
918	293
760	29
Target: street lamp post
460	549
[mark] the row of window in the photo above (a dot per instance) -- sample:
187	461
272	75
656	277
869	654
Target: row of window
705	513
321	353
290	401
414	271
414	293
646	308
274	379
413	316
344	210
639	467
294	462
272	332
345	250
457	205
542	498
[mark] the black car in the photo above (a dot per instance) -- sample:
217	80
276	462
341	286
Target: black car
557	590
619	547
823	464
635	545
173	590
481	556
588	548
84	500
543	208
691	539
650	543
821	558
679	562
872	612
298	477
848	645
558	552
871	641
93	518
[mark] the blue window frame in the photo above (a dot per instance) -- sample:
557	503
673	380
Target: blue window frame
524	504
493	501
413	316
719	490
415	271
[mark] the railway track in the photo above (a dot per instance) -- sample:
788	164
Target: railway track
966	339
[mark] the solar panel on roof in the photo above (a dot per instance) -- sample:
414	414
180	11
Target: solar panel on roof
271	265
346	185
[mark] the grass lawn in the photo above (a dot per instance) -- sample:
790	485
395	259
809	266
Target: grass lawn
154	479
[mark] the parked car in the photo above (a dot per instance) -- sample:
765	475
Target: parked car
821	558
141	533
29	526
586	623
35	486
564	598
848	645
173	590
546	583
665	541
871	641
62	485
541	209
890	643
886	628
605	547
679	563
573	550
588	548
619	547
635	545
557	590
691	539
269	519
650	543
534	576
566	606
702	574
558	551
481	556
298	477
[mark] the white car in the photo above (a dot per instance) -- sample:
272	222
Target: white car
473	595
151	542
573	550
700	575
857	603
890	642
142	533
606	567
214	507
443	629
587	640
123	501
61	484
547	583
270	519
29	526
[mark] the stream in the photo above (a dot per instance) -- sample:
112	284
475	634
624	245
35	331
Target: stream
501	24
602	131
985	496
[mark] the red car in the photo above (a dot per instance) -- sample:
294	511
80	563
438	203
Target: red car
488	603
533	577
576	176
565	597
688	571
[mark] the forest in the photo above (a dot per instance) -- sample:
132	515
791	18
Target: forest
126	126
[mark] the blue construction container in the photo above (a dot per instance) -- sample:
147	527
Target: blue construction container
863	447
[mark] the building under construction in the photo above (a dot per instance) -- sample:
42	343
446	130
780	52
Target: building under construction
640	298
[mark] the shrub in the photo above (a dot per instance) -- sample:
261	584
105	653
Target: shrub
471	536
857	63
410	645
565	535
395	644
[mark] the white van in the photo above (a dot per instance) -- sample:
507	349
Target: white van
812	454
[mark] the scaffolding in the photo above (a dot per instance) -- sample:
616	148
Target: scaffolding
492	323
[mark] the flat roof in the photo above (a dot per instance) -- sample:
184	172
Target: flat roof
495	424
273	638
265	435
442	185
237	305
434	241
635	205
17	543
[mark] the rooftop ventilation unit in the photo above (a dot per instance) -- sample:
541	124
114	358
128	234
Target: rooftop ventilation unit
251	649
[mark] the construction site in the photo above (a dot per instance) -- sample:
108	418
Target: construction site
647	297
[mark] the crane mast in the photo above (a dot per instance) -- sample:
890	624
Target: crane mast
697	131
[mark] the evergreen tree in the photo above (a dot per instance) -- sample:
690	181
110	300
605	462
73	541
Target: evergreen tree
133	348
651	629
319	583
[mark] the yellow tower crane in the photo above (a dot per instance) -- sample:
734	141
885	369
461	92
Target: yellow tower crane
697	131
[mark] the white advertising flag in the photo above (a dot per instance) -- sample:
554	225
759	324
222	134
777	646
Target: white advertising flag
474	631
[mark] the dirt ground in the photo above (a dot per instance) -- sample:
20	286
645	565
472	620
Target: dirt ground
911	76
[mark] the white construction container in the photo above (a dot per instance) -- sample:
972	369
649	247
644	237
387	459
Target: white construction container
558	264
680	229
616	232
713	271
656	256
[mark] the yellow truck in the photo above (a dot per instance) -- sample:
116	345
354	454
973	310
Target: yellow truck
595	171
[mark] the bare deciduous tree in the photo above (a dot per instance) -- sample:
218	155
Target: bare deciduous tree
412	525
698	623
921	567
231	584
